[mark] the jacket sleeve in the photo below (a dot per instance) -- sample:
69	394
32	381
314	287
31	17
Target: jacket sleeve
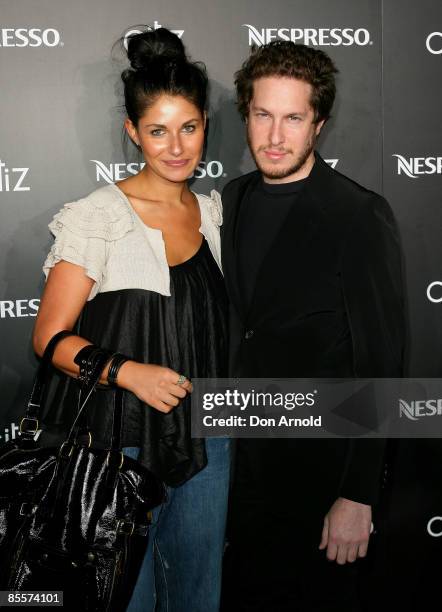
373	292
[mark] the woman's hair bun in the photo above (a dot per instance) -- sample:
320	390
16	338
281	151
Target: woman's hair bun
159	65
145	47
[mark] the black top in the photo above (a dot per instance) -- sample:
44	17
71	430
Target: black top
185	331
262	215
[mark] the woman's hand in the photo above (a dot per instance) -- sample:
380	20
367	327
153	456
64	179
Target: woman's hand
155	385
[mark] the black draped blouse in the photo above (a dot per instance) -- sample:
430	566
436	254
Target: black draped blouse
186	331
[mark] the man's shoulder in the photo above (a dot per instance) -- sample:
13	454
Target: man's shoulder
353	188
346	194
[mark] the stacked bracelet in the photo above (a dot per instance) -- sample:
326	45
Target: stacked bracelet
85	360
117	361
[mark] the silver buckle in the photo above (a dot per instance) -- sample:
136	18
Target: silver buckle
27	430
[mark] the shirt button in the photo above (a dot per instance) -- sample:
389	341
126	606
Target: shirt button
249	333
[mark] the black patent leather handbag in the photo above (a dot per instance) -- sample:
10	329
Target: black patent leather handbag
74	518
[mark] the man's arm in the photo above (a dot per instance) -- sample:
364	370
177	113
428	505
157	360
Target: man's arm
373	292
374	297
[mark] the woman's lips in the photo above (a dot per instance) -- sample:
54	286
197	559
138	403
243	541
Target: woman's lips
176	163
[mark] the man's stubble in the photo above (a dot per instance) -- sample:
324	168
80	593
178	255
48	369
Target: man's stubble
283	172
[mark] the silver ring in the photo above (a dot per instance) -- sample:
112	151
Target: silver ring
181	380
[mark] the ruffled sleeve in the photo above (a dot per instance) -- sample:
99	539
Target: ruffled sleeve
83	231
211	219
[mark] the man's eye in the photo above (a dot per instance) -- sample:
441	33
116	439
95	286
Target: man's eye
294	118
262	114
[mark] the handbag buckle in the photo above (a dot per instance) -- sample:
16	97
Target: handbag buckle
121	460
89	443
33	432
125	527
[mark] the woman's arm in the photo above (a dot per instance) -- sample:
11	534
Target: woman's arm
64	296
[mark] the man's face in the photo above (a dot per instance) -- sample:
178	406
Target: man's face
280	129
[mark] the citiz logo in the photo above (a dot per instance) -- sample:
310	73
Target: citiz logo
117	172
11	179
416	409
332	162
414	166
156	26
11	433
321	37
434	43
22	37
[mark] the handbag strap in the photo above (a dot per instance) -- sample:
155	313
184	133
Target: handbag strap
85	359
96	362
92	361
33	408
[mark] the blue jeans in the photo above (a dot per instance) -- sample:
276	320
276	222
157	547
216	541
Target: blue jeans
181	571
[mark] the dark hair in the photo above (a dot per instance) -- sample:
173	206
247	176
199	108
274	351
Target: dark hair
287	59
159	65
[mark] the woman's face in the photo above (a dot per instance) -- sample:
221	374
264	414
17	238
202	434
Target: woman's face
171	136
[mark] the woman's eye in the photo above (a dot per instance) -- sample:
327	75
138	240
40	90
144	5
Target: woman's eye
157	132
189	128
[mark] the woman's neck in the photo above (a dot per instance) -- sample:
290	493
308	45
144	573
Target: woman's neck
157	188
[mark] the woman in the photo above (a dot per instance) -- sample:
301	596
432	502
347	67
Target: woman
135	268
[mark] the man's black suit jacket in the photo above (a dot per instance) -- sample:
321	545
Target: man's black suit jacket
328	302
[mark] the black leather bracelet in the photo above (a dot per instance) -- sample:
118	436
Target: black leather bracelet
86	359
117	361
82	359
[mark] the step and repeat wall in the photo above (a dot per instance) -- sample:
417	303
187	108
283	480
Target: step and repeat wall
61	136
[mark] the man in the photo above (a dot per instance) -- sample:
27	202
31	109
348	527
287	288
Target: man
313	269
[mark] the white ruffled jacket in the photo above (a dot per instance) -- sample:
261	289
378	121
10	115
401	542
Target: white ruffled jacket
103	234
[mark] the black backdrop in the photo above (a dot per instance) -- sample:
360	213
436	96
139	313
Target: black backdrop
60	138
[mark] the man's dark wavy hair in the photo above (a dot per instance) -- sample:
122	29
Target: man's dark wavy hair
287	59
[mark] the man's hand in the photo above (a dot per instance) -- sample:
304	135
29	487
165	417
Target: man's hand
346	531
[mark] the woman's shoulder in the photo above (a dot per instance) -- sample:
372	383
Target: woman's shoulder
212	204
103	213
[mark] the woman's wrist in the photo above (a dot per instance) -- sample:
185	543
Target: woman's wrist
125	374
118	359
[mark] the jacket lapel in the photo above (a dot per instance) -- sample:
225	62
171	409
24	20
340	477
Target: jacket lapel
232	204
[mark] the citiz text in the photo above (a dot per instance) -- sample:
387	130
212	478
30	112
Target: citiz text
11	179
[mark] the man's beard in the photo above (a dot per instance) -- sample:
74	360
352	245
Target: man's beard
282	173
